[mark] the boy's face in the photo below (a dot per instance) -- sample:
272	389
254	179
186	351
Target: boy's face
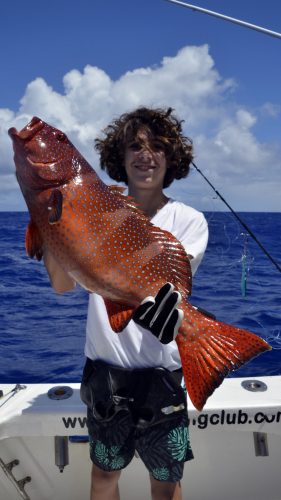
145	162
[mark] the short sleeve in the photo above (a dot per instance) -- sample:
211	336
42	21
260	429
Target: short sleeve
191	229
195	240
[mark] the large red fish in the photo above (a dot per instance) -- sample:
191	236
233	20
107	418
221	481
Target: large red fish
105	243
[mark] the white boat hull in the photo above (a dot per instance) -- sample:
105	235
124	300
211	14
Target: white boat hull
236	441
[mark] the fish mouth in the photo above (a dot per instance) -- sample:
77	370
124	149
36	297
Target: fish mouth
29	131
40	163
25	135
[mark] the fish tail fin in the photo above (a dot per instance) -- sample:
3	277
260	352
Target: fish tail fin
209	350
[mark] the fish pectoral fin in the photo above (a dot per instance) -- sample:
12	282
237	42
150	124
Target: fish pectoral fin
119	314
212	353
33	241
55	206
60	280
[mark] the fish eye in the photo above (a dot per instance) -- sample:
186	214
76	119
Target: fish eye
60	136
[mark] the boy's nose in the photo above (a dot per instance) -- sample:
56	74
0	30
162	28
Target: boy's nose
146	152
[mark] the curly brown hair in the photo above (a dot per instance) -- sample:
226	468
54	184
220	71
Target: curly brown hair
160	124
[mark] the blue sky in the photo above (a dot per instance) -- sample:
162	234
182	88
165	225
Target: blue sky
78	64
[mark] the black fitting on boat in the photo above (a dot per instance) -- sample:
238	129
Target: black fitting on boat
61	452
254	385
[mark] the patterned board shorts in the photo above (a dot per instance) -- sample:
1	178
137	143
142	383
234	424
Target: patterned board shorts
163	447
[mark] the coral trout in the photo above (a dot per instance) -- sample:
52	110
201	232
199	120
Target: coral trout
102	241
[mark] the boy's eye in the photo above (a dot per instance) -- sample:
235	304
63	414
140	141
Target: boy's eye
155	146
158	146
135	146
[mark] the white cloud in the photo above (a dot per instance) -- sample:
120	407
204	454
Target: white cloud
271	109
226	147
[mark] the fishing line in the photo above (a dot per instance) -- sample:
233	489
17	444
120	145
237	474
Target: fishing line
274	339
244	266
249	231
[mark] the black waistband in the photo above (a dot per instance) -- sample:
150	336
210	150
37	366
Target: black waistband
108	389
124	372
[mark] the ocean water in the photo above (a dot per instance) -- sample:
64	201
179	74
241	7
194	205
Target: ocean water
43	333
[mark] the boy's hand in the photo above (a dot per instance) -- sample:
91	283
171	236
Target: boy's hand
160	314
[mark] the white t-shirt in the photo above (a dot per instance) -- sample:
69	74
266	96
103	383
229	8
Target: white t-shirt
136	347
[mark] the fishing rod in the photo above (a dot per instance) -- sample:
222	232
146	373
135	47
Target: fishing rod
227	18
249	231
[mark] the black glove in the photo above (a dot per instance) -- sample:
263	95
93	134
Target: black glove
160	314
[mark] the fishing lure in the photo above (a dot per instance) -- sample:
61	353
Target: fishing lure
245	268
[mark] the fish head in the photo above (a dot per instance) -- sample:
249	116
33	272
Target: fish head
44	156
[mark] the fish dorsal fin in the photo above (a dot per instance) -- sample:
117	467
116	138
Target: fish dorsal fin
119	314
115	189
129	200
33	241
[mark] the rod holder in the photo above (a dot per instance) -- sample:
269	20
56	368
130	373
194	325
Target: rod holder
61	452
